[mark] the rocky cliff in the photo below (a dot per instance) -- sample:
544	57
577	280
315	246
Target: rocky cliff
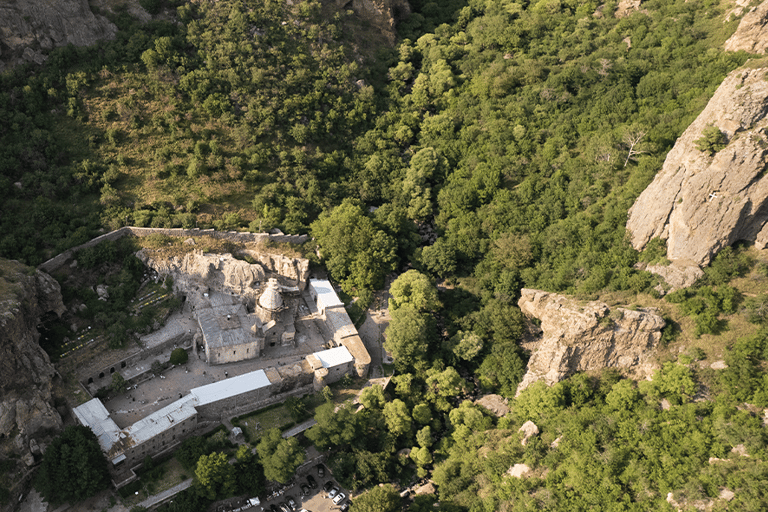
31	28
700	201
222	272
581	336
26	407
752	34
383	15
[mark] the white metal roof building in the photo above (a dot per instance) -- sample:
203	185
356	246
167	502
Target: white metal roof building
324	295
334	357
228	388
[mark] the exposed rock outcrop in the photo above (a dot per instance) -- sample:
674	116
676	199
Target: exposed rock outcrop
580	336
223	272
25	369
198	270
31	28
752	34
701	203
383	15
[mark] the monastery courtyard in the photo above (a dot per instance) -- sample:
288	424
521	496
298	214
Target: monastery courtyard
159	391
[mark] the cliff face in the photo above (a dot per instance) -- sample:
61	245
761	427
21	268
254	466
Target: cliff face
383	15
25	370
701	203
580	336
222	272
752	34
31	28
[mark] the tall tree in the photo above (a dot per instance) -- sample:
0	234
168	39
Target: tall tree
357	253
280	457
73	467
383	498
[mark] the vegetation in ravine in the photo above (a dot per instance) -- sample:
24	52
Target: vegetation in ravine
497	145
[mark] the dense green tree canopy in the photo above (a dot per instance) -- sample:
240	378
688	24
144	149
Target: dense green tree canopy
73	467
279	457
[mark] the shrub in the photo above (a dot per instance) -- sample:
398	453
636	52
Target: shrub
712	140
178	356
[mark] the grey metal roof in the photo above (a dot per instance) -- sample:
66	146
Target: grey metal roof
93	414
163	419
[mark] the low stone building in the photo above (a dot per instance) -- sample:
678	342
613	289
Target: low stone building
164	429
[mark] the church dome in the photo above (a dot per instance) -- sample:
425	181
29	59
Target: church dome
271	299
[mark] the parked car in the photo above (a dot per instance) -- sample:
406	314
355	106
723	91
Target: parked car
304	489
311	481
273	508
344	507
284	507
339	498
328	486
333	492
320	470
291	503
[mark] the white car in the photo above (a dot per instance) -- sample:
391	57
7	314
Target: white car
339	498
332	493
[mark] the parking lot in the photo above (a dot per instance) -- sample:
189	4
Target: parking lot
315	501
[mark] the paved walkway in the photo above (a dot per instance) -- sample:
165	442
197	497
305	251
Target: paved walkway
167	494
298	429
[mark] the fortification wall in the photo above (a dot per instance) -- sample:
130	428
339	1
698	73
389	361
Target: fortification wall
235	236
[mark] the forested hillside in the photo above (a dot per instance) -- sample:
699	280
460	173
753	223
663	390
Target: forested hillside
497	145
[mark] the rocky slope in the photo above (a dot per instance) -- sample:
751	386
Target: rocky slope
700	202
31	28
26	407
580	336
752	34
222	272
382	15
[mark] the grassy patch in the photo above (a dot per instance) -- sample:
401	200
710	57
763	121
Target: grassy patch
255	424
170	473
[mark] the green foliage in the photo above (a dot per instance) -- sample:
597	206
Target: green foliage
279	457
216	475
372	397
409	336
118	383
397	418
674	382
73	467
383	498
190	451
178	356
356	252
414	290
712	140
333	429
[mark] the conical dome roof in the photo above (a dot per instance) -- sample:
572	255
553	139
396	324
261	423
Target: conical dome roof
271	298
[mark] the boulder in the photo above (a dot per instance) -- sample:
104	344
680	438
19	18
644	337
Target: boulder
529	429
580	336
701	202
518	470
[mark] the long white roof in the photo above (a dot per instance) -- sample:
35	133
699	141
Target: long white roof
230	387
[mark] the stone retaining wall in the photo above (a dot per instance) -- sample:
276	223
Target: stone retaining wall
235	236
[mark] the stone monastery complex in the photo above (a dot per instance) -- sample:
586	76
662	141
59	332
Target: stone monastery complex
242	311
